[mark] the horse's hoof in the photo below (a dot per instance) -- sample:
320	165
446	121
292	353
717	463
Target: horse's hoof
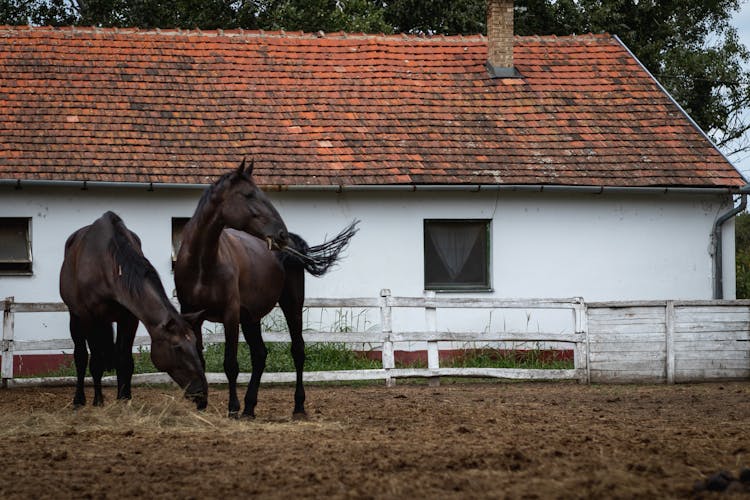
247	416
299	415
78	405
234	414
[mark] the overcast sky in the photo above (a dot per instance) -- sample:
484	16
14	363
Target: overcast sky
742	23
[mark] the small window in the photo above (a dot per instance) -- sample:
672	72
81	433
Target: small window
15	245
456	255
178	225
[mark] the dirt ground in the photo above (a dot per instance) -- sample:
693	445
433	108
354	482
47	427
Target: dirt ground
458	440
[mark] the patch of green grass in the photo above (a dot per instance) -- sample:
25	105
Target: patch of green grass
337	356
141	361
517	358
65	370
318	357
416	363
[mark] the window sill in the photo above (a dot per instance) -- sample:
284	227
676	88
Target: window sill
460	290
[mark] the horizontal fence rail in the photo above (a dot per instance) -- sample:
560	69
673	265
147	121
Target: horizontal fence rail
626	341
385	337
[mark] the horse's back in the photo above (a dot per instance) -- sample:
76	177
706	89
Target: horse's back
87	272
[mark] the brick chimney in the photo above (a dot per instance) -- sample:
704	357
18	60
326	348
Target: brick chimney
500	39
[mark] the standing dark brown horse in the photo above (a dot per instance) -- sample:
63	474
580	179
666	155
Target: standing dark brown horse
105	278
228	267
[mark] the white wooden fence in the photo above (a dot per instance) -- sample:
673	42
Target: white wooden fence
647	341
669	341
385	337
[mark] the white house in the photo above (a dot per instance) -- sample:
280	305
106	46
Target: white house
492	166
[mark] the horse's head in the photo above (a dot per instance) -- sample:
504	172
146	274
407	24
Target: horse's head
245	207
174	349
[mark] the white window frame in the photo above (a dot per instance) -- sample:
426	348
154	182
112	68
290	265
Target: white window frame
433	285
177	222
16	267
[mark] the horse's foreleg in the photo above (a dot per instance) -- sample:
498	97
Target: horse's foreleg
258	355
81	358
197	326
198	330
231	366
103	358
97	370
126	328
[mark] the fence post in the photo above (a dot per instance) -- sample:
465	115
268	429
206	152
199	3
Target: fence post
669	340
6	371
581	353
386	325
433	353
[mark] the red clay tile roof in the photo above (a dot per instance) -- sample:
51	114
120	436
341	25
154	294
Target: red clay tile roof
338	109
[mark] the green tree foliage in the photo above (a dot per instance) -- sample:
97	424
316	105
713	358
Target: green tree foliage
689	45
38	12
321	15
447	17
742	254
292	15
13	12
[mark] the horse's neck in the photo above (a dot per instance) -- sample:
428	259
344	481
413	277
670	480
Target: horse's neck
202	240
151	306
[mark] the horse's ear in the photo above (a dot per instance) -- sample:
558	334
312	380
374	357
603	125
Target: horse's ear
195	318
169	325
246	170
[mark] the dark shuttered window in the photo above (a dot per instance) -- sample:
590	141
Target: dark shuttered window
456	254
178	225
15	245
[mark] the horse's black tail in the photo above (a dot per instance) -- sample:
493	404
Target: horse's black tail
318	259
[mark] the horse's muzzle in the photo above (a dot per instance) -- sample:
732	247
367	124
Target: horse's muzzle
197	391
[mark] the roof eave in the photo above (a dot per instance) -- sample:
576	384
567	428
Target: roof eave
541	188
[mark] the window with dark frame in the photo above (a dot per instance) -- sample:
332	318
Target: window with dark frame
456	254
15	245
178	225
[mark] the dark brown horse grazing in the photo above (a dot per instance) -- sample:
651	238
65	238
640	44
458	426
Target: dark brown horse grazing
105	278
226	265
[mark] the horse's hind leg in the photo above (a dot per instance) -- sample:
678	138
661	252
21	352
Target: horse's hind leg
298	355
81	358
291	302
102	357
258	355
126	328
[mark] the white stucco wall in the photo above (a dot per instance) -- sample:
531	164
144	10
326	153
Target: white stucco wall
598	246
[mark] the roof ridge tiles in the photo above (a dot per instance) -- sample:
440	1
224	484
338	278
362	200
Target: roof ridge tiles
260	33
